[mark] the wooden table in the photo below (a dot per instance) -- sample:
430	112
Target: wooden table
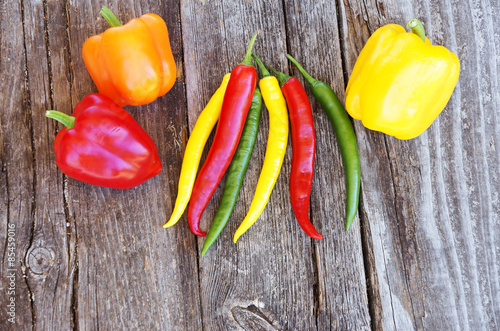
422	253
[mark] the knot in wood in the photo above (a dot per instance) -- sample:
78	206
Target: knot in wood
40	260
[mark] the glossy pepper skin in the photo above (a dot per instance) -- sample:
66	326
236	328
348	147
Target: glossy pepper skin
275	151
236	172
303	147
401	83
237	101
131	64
103	145
194	149
345	137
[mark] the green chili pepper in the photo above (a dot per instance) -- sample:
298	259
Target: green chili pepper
345	137
236	171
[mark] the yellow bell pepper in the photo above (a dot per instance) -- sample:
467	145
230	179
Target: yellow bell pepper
194	149
401	82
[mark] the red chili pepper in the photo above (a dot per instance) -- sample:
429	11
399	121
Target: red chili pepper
237	101
303	147
103	145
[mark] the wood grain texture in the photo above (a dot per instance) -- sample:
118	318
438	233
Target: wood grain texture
434	223
265	281
18	166
342	304
50	256
131	273
423	253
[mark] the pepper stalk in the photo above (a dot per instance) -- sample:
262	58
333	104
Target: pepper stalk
110	17
68	121
417	28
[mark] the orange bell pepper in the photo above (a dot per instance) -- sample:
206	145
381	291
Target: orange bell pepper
131	64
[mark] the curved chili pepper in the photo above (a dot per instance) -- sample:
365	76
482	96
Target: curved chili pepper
236	171
194	149
237	101
276	147
345	137
103	145
303	147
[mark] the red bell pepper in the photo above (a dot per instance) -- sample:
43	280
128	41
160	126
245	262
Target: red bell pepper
103	145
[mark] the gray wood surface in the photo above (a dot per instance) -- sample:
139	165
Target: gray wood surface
422	253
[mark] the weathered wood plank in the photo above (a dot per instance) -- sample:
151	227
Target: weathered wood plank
435	223
49	259
131	274
267	280
18	168
429	211
313	38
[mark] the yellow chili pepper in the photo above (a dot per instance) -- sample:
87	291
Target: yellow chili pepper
276	147
194	149
401	82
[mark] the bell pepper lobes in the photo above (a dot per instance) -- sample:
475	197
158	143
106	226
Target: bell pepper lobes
103	145
401	82
194	149
131	64
276	147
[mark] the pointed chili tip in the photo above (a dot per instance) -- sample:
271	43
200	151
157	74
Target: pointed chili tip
236	237
199	233
172	221
205	248
316	235
348	225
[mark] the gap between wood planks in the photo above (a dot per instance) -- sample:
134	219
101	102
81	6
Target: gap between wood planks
75	270
189	133
314	254
371	280
27	100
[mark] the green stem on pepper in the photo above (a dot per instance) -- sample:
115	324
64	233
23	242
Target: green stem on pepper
283	78
248	56
417	28
68	121
261	65
110	17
